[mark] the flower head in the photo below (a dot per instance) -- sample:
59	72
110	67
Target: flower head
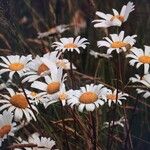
145	93
88	97
35	97
119	122
70	44
41	143
135	79
18	105
7	127
15	63
108	20
113	97
145	80
52	84
140	57
54	57
63	96
38	67
117	42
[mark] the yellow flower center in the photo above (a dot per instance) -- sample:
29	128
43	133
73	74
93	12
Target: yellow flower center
144	59
70	45
111	97
19	101
5	130
121	18
63	96
88	97
16	66
53	87
61	64
33	94
42	68
118	44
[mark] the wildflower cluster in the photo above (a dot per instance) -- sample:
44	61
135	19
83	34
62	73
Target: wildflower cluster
44	80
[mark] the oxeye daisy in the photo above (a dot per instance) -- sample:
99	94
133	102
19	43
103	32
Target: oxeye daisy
54	58
52	85
7	127
145	80
88	97
37	69
145	93
15	63
70	44
140	57
35	97
63	96
64	64
41	143
113	97
117	42
119	122
137	78
18	105
108	20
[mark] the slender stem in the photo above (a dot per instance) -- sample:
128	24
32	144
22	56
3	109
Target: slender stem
94	131
74	110
115	105
95	75
123	88
130	124
127	125
64	128
22	146
109	129
21	85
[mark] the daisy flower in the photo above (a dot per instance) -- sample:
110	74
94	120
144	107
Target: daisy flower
64	64
70	44
112	97
15	63
54	58
35	97
52	85
18	105
140	57
120	122
145	93
137	78
88	97
7	127
41	143
108	20
145	80
38	68
117	42
62	96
